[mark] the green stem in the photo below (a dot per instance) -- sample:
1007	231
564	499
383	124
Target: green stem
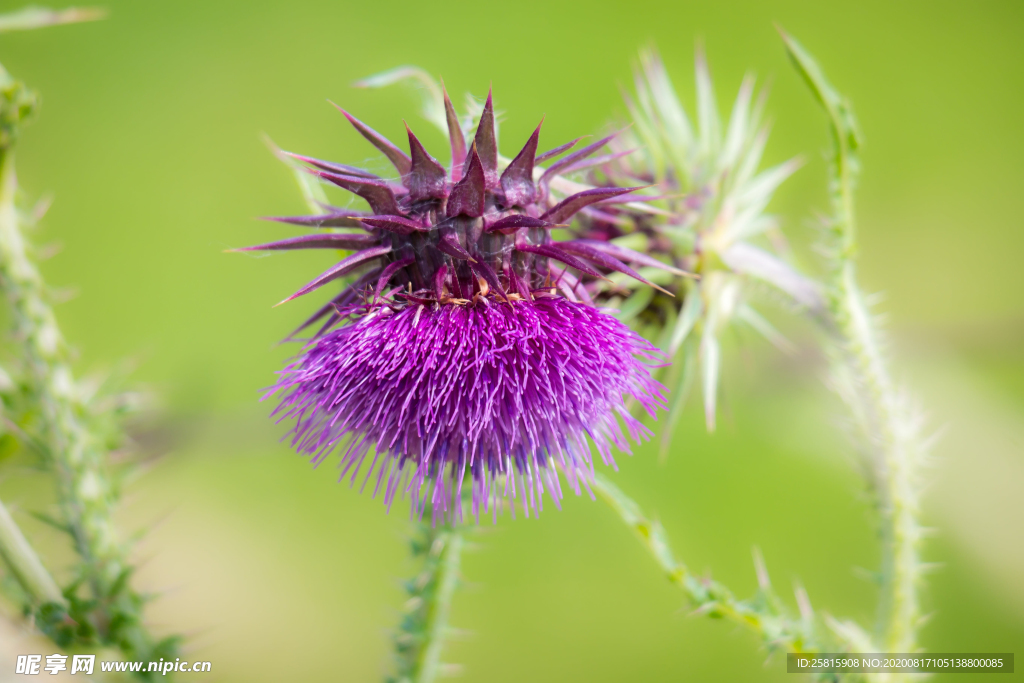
72	454
437	621
24	563
890	439
889	429
112	613
764	614
424	626
62	422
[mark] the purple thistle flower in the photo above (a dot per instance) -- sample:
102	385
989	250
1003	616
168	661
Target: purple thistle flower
462	345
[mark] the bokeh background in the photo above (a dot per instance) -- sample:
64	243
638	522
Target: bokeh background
150	139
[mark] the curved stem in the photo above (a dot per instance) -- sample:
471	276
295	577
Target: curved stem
764	613
888	427
891	444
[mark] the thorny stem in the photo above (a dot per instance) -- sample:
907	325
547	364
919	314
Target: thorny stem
24	563
75	459
424	626
889	432
73	453
764	613
889	429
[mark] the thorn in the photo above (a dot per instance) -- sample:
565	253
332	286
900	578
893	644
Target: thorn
458	633
704	609
803	601
447	670
763	580
867	575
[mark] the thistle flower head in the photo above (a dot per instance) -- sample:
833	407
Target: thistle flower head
461	345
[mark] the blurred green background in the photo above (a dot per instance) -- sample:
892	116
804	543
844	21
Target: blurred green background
149	136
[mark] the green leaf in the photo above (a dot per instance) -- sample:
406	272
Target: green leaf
835	105
846	141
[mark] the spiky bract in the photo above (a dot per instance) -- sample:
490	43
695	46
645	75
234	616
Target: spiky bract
706	215
449	236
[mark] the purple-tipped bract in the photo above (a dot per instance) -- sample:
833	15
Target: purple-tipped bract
455	353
